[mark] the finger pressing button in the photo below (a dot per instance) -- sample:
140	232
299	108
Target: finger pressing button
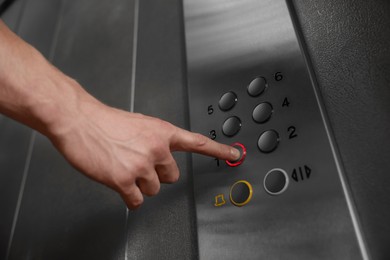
231	126
241	193
240	160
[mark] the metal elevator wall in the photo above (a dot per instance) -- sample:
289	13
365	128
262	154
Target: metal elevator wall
62	214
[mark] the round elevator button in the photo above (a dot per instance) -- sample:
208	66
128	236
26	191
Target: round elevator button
227	101
231	126
257	86
240	160
262	112
241	193
268	141
276	181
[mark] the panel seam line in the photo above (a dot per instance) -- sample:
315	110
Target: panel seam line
33	134
132	94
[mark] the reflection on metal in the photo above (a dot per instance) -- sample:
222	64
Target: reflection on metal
229	43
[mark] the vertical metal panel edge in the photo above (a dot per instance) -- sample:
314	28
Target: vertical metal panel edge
336	155
188	124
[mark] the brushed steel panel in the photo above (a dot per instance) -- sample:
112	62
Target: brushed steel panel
14	144
63	214
229	43
94	46
39	22
163	228
12	16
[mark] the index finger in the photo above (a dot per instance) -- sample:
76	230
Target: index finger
184	140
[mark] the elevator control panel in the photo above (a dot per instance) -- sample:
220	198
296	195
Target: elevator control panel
250	86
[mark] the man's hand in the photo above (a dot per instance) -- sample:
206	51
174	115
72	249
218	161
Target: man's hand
130	153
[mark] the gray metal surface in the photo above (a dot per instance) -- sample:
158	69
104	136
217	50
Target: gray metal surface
348	42
229	44
63	214
164	227
66	216
14	144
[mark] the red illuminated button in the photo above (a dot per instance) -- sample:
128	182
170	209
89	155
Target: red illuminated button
242	150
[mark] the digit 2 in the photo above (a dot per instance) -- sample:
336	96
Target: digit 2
292	131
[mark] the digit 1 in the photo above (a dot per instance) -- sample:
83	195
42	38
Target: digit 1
217	161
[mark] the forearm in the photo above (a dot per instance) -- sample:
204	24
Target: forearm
33	91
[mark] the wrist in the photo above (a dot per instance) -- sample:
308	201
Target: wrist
66	112
59	103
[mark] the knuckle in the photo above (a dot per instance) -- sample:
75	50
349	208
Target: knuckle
170	177
140	165
174	178
136	202
164	124
132	197
122	181
152	189
156	189
157	148
199	139
147	177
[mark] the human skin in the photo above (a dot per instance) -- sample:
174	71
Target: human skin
129	152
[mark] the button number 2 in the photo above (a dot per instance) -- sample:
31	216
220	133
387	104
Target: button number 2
292	131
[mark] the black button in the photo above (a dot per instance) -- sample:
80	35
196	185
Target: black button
231	126
262	112
227	101
276	181
241	159
241	193
268	141
257	86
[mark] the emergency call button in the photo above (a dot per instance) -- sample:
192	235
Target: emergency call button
241	193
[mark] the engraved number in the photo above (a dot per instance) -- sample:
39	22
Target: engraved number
217	161
213	134
210	110
286	103
278	76
292	131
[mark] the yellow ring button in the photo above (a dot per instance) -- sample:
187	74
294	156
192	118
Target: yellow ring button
241	193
